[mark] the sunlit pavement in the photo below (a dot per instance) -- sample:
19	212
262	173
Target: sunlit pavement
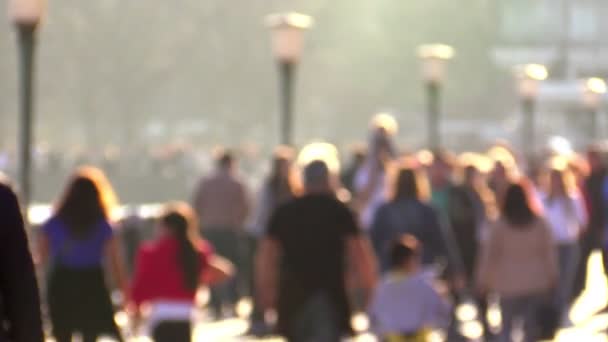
589	325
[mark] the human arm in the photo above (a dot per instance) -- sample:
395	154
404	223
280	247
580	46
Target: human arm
361	257
380	235
116	264
243	205
490	250
549	254
19	297
580	211
218	270
267	272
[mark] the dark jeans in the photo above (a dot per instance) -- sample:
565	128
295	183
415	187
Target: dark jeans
525	308
172	331
233	245
316	322
568	263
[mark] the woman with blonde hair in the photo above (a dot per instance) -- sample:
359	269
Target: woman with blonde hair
75	244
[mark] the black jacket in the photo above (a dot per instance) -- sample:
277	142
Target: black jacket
19	299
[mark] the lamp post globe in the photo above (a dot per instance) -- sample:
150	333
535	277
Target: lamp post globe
433	59
287	42
26	16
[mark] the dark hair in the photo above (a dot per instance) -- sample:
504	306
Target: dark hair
410	183
403	250
180	220
519	208
225	158
279	184
86	201
316	172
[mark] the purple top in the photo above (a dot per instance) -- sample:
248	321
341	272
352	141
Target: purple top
77	253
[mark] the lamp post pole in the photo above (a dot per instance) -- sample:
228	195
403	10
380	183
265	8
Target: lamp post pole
593	91
594	122
433	90
26	15
286	75
434	58
528	131
26	34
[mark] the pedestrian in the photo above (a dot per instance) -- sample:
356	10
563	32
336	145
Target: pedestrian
19	299
370	183
408	212
406	306
348	175
503	173
168	272
302	262
594	191
278	188
76	243
518	261
221	201
566	214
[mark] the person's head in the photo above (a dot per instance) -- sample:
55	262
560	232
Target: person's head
179	221
594	158
411	183
317	178
87	199
281	162
405	254
225	160
358	155
440	171
471	175
520	206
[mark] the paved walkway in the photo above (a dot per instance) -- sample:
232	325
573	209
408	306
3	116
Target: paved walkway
588	324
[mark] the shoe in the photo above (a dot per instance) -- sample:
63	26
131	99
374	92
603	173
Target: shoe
259	329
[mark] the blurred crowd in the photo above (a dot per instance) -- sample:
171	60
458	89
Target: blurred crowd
406	237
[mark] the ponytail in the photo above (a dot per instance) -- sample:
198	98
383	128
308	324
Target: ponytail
179	224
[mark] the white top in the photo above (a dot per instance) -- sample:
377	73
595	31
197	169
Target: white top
378	196
566	216
405	304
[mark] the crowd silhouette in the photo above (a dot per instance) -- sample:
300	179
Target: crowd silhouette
406	237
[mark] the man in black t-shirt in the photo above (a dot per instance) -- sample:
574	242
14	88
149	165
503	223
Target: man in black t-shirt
303	260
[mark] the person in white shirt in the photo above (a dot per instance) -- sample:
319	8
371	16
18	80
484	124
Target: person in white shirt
565	211
406	305
370	183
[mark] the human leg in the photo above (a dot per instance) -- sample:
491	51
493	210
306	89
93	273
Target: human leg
172	331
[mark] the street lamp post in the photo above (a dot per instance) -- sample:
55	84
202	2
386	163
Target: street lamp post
26	16
529	77
287	35
593	90
434	58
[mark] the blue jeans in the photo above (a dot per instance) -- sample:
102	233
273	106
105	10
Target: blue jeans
568	255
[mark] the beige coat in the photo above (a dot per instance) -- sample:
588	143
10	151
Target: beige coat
518	261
